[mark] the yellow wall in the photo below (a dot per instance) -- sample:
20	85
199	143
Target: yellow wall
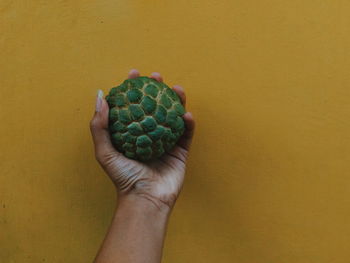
268	82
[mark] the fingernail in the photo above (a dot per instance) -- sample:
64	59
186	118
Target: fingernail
155	74
133	71
189	114
99	100
178	87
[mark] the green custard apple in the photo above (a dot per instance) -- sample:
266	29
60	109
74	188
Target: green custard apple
145	118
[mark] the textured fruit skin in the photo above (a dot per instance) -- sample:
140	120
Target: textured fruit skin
145	118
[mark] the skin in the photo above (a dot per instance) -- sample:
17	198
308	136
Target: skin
146	192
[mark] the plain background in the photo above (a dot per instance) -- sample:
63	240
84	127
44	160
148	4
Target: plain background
268	82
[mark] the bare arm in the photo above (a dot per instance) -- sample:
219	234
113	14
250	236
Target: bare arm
146	192
136	234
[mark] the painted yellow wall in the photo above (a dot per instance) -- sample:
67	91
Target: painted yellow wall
268	82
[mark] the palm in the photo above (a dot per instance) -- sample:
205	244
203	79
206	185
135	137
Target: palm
161	179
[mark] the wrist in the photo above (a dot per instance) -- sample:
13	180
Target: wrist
143	203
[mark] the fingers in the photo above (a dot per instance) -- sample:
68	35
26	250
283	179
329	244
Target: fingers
134	73
156	76
186	139
181	93
99	130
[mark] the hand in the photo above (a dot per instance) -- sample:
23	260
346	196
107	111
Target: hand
159	181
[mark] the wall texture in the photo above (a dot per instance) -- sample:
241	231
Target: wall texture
268	82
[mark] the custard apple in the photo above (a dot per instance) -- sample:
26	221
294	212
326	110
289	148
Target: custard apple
145	118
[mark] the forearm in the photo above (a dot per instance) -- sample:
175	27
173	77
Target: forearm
136	233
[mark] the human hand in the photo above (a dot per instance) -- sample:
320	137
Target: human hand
159	181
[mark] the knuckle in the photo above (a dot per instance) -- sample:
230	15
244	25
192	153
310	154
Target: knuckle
94	124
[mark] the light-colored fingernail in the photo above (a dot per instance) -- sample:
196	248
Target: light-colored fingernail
178	87
134	70
189	114
133	73
155	74
99	100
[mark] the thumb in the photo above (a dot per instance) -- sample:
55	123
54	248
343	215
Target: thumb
99	130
